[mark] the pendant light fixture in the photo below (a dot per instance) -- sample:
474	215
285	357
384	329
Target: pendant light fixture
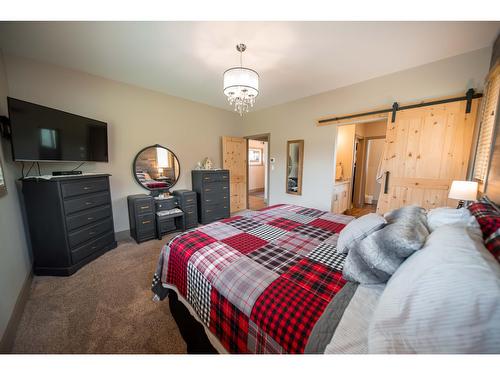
241	85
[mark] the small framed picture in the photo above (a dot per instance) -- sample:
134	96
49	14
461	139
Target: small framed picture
3	187
255	156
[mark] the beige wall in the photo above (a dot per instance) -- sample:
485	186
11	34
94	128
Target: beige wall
136	118
297	119
256	173
15	262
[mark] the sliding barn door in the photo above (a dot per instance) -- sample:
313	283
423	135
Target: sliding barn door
234	158
426	149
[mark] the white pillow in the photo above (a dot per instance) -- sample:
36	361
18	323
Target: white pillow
447	215
445	298
357	230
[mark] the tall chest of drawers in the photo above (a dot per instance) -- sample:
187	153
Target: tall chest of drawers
212	189
70	221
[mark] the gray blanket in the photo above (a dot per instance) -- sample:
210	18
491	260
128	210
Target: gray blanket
380	254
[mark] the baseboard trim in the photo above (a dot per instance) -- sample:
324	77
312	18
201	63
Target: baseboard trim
7	340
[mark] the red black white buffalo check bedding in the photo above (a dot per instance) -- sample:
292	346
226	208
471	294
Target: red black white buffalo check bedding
262	282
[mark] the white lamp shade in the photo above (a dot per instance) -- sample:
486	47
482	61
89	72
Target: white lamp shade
238	80
463	190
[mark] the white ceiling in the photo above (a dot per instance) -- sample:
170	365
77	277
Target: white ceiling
294	59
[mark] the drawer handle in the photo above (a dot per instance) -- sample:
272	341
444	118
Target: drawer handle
225	197
190	212
94	247
206	178
87	188
88	203
208	200
146	222
189	200
225	206
91	233
144	207
90	218
208	210
224	187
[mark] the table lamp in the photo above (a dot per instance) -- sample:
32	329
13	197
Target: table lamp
463	191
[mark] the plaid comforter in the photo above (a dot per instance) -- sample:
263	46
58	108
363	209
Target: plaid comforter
262	282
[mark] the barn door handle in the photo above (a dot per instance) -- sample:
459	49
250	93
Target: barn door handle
386	183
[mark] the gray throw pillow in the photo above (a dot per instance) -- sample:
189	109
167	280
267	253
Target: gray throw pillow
357	230
380	254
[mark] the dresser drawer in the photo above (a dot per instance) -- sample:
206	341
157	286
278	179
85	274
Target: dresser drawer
217	196
146	223
144	206
86	202
216	177
87	217
166	204
91	185
90	232
191	216
99	243
215	187
215	212
188	199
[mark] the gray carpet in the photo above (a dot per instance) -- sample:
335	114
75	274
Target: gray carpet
105	307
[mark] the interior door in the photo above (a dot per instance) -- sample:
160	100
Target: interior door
234	158
426	149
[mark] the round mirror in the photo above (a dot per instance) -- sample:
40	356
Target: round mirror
156	168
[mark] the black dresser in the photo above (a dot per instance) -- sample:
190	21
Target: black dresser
154	217
141	214
212	189
70	221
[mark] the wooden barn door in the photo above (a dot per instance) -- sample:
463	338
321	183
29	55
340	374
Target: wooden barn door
426	149
234	158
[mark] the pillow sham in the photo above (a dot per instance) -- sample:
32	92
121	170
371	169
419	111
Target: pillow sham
445	298
447	215
356	230
380	254
488	217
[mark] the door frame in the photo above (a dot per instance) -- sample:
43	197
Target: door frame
359	193
353	121
266	137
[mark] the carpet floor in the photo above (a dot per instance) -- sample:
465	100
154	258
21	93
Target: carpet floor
106	307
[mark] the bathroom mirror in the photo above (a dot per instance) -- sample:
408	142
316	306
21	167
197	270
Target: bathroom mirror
156	168
3	187
295	157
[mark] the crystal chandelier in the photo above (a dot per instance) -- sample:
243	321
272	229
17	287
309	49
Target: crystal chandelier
241	85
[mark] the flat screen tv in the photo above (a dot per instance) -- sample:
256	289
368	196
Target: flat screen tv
40	133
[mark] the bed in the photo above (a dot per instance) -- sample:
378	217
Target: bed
275	281
266	281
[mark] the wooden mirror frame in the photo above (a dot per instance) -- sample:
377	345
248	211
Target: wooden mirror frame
299	168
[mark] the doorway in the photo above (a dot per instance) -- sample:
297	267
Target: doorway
359	148
258	171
